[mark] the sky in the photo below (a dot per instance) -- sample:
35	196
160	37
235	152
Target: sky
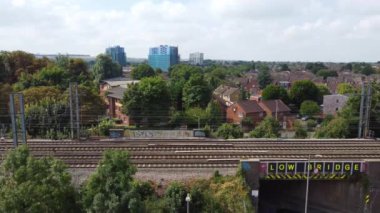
265	30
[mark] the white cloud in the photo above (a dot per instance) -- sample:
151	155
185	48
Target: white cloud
340	30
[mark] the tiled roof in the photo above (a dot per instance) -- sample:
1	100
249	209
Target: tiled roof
250	106
116	92
271	105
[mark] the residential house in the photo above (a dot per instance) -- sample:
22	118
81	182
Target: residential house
228	94
279	110
114	99
113	91
332	104
275	108
245	109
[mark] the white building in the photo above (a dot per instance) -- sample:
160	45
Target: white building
196	58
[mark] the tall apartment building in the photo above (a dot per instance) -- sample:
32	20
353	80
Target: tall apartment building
117	54
163	57
196	58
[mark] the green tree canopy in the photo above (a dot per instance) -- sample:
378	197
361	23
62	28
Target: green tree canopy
196	92
300	131
35	95
336	128
28	184
284	67
309	108
227	131
110	188
5	90
175	196
363	68
315	67
105	68
304	90
264	77
179	74
275	92
346	88
142	71
268	128
327	73
147	102
214	113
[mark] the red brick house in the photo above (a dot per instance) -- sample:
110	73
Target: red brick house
279	110
273	107
114	98
245	109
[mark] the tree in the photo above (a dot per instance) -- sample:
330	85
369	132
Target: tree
5	90
264	77
268	128
35	95
142	71
284	67
326	73
309	108
110	188
363	68
336	128
323	90
147	102
28	184
193	114
304	90
214	113
105	68
315	67
92	106
346	88
76	68
175	197
179	74
300	131
196	92
48	119
227	131
275	92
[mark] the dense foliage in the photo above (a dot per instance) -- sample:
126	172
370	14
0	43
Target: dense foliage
309	108
28	184
275	92
229	131
110	188
147	103
304	90
268	128
142	71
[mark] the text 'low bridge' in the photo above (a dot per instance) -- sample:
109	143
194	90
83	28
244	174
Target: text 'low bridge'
318	170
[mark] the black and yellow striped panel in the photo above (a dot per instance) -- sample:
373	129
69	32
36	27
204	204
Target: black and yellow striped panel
304	177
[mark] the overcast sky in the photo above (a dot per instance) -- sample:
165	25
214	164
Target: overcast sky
267	30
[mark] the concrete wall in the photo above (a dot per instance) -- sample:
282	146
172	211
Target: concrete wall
159	133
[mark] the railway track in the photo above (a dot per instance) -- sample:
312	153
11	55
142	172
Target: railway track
199	153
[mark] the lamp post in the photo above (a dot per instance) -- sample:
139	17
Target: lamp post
188	199
308	180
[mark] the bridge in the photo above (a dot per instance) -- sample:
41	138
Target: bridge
346	171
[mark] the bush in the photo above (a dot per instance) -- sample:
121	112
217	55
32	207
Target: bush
227	131
268	128
311	124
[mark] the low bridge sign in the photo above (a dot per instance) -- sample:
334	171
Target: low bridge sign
318	170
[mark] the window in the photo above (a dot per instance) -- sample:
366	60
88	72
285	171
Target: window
336	109
337	100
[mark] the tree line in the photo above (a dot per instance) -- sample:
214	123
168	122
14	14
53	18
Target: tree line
29	184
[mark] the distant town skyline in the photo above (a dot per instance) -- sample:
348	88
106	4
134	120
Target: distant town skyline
266	30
